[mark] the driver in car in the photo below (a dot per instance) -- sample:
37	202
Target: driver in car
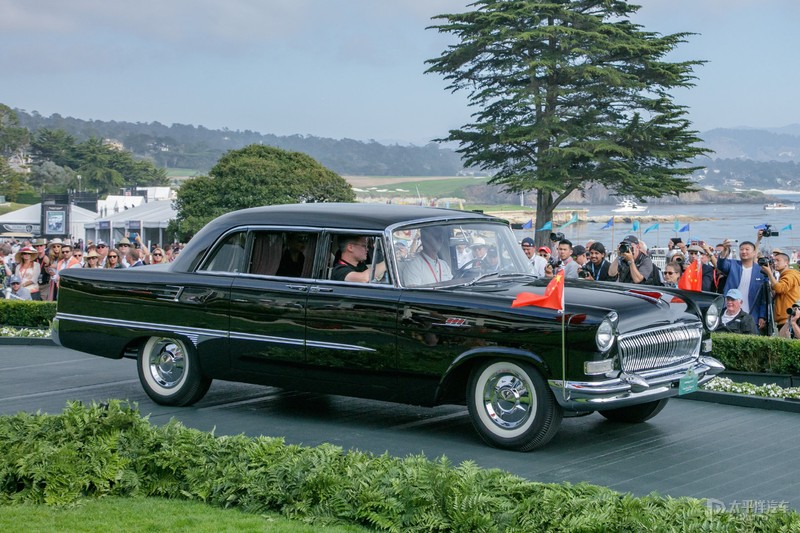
427	267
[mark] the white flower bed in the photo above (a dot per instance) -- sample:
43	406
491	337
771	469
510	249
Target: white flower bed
768	391
6	331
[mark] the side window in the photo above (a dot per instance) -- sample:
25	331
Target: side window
283	253
357	258
228	254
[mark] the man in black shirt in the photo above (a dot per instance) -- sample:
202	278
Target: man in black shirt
351	265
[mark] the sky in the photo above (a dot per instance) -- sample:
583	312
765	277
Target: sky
343	68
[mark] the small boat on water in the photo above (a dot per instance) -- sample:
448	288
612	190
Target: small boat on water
629	206
779	206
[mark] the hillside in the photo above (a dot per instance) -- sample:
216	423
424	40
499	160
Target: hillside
195	147
742	158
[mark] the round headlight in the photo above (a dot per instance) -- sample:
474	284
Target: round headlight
714	314
605	333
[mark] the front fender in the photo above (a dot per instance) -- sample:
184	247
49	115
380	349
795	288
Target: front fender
453	385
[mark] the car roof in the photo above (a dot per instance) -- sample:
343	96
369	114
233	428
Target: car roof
373	217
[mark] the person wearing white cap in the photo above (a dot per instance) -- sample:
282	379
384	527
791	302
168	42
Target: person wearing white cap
734	319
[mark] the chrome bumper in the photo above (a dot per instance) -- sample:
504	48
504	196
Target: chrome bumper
54	331
630	388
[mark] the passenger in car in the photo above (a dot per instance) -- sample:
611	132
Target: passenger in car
352	262
426	267
293	258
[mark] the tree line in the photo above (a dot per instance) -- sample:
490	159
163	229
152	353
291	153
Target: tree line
199	148
58	162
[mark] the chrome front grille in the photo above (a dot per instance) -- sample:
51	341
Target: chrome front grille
659	347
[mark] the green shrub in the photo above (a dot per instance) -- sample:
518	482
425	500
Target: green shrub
26	314
752	353
110	449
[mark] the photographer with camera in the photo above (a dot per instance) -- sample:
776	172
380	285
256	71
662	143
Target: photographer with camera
751	282
791	329
631	266
597	267
785	288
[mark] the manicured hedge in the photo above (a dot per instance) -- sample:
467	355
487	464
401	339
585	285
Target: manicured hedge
26	314
88	452
752	353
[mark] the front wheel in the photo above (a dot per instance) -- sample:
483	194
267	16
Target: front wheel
634	414
169	372
511	406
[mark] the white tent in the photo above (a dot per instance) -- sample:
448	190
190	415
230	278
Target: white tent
28	220
148	219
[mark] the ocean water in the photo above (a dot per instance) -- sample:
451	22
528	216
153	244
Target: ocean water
711	223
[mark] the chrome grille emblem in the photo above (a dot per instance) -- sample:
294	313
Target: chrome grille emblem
659	347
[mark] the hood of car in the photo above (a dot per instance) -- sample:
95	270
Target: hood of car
637	306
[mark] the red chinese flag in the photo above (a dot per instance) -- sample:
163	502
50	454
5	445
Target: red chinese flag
692	277
553	297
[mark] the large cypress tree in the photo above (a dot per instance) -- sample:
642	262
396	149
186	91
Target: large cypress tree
568	93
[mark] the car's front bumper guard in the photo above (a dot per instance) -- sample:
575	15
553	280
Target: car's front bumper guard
629	388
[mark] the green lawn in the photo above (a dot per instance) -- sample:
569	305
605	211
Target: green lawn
11	206
439	188
181	172
149	515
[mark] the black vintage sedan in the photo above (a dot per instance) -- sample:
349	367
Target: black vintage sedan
397	303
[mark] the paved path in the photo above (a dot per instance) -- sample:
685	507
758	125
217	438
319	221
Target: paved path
730	454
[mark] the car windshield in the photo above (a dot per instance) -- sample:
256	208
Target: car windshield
456	253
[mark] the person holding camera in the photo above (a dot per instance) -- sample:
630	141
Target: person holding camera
631	266
791	329
597	267
751	282
785	287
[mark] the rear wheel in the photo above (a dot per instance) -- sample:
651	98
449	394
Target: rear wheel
169	372
634	414
511	406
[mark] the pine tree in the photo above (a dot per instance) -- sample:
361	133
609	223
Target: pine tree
568	93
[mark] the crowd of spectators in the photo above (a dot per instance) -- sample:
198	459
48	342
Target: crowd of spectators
761	286
30	268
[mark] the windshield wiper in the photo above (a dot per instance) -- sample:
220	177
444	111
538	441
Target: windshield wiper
501	275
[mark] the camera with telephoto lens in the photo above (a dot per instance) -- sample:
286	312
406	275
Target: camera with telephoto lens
583	274
767	231
624	247
792	310
556	237
764	261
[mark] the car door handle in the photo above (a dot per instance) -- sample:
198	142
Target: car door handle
321	289
301	288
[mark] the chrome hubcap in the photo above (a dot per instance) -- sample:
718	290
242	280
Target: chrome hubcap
167	363
508	400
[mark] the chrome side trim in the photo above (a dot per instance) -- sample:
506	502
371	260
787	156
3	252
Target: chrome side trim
194	334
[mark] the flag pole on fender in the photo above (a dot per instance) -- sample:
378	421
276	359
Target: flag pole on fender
553	298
